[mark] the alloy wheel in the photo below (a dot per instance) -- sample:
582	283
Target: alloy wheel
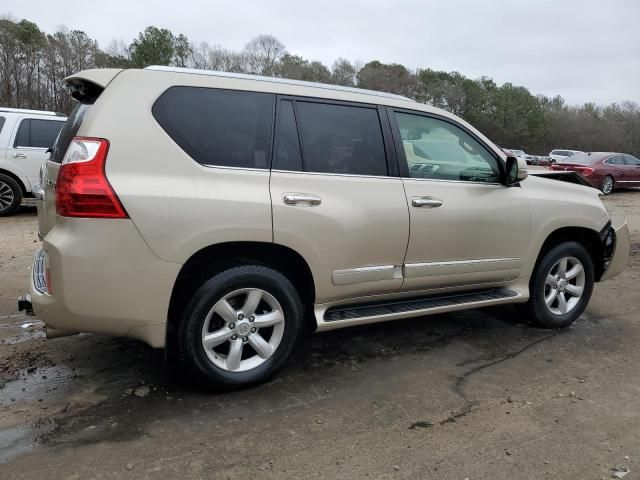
564	285
607	185
6	196
243	329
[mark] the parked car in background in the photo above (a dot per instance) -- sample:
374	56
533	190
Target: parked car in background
604	170
224	211
532	159
25	136
517	153
559	155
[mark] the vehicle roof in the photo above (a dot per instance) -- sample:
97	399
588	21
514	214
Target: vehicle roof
284	81
159	77
31	112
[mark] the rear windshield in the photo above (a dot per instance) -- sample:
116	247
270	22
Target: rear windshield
564	153
584	158
69	130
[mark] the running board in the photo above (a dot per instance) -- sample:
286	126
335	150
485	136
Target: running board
336	317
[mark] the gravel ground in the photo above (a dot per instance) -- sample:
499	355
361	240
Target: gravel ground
475	395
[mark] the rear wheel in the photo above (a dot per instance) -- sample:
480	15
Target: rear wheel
561	286
607	185
240	327
10	195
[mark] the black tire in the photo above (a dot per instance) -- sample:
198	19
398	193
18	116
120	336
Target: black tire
10	188
605	187
536	308
202	372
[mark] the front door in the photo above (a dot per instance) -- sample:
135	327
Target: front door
334	201
467	229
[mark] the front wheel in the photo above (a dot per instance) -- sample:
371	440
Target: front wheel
239	328
607	185
561	286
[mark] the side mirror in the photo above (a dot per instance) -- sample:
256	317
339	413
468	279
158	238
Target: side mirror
516	170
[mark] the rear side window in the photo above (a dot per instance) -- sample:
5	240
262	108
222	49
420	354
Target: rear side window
341	139
218	127
69	130
23	134
1	123
44	132
36	133
287	148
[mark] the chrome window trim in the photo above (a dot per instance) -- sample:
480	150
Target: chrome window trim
223	167
440	180
386	177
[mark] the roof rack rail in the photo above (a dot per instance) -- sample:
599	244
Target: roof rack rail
34	112
286	81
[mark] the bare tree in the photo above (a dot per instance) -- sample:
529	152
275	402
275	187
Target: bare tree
263	53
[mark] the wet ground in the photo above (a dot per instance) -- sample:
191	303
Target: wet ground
475	395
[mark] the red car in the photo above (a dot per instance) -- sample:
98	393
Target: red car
604	170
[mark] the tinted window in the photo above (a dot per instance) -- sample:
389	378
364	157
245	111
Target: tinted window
69	130
616	160
439	150
631	160
341	139
218	127
22	137
287	146
37	133
44	132
1	123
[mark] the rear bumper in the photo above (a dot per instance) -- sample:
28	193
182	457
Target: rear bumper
103	279
620	252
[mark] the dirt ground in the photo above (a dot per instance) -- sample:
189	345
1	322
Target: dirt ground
475	395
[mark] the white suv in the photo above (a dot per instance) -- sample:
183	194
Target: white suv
219	214
25	137
558	155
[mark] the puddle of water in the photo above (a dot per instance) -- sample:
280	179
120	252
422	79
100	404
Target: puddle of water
12	333
20	439
46	383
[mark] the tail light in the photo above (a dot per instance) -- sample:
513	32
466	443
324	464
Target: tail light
82	188
585	171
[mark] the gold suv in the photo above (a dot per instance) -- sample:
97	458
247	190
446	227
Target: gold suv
216	214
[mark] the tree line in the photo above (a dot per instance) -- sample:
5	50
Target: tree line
33	64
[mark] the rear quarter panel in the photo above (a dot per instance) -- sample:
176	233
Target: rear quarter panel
178	205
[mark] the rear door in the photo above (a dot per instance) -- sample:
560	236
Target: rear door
31	139
336	196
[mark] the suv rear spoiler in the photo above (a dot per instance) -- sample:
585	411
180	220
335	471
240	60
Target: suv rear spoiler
87	85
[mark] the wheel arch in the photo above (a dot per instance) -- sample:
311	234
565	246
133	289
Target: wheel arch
9	173
212	259
588	238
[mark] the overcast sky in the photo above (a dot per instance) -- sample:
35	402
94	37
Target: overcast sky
584	50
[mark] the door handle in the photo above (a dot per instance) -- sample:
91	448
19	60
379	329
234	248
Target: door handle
426	202
301	198
19	155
